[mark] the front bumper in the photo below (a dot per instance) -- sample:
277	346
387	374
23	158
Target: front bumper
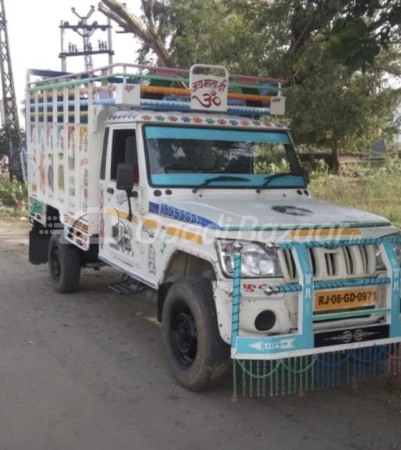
284	306
298	329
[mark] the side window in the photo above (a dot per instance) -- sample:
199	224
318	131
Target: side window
124	150
104	154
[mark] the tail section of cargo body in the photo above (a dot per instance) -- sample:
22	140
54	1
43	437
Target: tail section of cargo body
62	169
64	159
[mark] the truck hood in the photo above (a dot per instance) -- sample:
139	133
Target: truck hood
274	211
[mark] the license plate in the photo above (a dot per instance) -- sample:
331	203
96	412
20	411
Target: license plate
345	299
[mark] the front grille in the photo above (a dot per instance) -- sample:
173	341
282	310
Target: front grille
332	264
289	264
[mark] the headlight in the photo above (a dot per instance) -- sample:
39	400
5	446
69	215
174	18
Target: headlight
256	261
379	258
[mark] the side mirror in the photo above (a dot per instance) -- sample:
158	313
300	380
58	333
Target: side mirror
306	175
125	177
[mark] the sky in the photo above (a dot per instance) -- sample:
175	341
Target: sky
34	37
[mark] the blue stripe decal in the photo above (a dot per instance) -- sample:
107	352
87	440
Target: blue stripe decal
154	208
155	132
183	216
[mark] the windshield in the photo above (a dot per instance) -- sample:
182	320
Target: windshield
189	156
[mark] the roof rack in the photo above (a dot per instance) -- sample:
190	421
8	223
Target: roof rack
203	88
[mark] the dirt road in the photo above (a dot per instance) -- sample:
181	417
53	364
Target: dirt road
87	372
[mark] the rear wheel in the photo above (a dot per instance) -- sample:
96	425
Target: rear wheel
197	356
64	266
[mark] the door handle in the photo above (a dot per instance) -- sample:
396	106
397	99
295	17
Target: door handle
110	190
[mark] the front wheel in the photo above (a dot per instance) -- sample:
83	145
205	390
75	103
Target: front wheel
197	356
64	266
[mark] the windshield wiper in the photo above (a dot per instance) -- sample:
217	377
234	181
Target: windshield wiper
272	177
219	178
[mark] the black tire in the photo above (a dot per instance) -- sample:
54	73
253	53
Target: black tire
64	266
200	361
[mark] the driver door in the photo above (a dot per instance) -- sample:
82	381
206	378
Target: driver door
118	246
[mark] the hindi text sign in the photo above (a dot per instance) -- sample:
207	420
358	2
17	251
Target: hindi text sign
209	92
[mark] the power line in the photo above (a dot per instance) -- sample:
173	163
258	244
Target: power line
86	30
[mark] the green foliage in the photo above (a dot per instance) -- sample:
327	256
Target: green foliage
338	110
362	30
12	194
198	31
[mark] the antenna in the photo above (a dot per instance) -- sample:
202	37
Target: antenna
86	30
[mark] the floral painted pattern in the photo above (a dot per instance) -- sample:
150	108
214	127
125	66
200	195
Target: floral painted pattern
188	119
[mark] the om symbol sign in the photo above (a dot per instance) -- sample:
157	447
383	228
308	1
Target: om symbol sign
208	99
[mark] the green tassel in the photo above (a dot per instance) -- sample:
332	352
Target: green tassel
309	373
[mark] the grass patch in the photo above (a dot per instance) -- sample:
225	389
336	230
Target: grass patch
377	191
11	215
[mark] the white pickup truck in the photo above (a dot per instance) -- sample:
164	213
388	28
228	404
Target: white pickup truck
172	177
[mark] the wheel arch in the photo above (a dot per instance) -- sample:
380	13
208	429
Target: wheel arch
184	264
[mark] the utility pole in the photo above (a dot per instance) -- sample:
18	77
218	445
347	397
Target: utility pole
9	103
86	31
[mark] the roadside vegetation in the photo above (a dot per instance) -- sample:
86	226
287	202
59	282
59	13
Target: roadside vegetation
13	198
377	190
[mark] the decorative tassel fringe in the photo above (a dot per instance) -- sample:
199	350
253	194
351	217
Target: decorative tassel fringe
255	378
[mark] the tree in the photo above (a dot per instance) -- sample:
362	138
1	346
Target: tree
353	32
146	30
336	95
363	30
336	110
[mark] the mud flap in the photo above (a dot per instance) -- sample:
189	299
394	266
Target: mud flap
38	247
